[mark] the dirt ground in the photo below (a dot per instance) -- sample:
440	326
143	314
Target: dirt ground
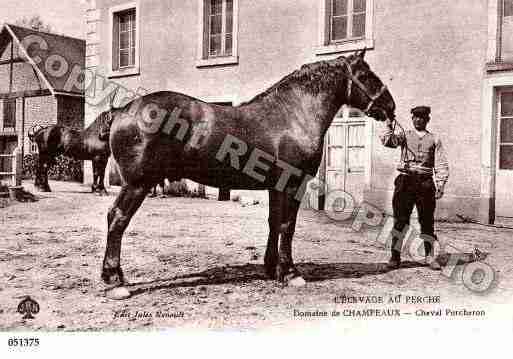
199	263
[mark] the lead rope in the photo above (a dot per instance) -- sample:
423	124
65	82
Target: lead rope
404	155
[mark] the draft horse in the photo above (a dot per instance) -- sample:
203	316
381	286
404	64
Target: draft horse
90	144
273	142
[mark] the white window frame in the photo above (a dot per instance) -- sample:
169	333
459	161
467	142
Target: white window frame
131	41
204	60
131	70
500	118
325	47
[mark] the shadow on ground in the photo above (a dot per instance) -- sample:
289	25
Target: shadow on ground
311	272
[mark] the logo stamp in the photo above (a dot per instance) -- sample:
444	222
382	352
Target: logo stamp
28	307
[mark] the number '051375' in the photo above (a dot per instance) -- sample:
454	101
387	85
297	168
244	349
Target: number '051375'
23	342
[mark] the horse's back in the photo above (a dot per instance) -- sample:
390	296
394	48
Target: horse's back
197	140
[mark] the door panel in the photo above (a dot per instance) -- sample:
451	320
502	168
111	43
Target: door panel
355	173
504	178
346	156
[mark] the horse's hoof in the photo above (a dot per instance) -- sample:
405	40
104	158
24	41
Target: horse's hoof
285	273
102	193
113	277
297	282
118	293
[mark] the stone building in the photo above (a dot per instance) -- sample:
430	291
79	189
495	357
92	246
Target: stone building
453	55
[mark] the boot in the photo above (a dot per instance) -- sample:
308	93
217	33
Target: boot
430	256
395	259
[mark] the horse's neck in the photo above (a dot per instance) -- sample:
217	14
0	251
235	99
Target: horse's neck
322	107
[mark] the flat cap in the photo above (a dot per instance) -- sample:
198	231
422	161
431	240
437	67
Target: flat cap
421	111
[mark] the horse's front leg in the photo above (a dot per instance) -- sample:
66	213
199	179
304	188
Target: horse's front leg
286	270
94	186
118	218
100	187
41	180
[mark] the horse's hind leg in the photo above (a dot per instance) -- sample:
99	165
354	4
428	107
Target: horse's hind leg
286	270
271	258
118	218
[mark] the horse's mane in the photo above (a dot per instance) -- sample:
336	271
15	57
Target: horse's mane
312	78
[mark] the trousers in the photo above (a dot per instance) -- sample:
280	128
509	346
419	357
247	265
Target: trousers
410	191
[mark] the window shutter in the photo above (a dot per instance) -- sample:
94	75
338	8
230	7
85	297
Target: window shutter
133	44
115	42
206	28
327	30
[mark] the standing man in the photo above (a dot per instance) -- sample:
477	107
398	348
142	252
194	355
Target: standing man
422	158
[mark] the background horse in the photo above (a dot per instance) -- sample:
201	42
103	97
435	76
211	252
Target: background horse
89	144
273	142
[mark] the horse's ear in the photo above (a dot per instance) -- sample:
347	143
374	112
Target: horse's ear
361	54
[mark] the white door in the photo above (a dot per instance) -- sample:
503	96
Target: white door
504	178
345	155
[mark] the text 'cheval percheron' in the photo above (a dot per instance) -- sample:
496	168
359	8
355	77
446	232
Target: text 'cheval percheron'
272	142
90	144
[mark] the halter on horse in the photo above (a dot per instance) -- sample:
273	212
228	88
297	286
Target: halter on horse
280	132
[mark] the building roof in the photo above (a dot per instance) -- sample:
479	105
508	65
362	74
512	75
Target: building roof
42	45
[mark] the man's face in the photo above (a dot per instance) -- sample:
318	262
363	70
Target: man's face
420	123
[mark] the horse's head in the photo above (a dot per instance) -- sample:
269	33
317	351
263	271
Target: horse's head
365	90
33	131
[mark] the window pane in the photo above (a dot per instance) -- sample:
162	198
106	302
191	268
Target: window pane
229	22
229	5
123	58
359	5
355	112
506	39
507	104
215	45
359	25
508	8
124	42
339	30
132	56
216	24
216	7
228	45
10	113
132	43
123	22
339	7
506	157
507	130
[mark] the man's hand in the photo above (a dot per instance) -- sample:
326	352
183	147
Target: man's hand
439	191
389	123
